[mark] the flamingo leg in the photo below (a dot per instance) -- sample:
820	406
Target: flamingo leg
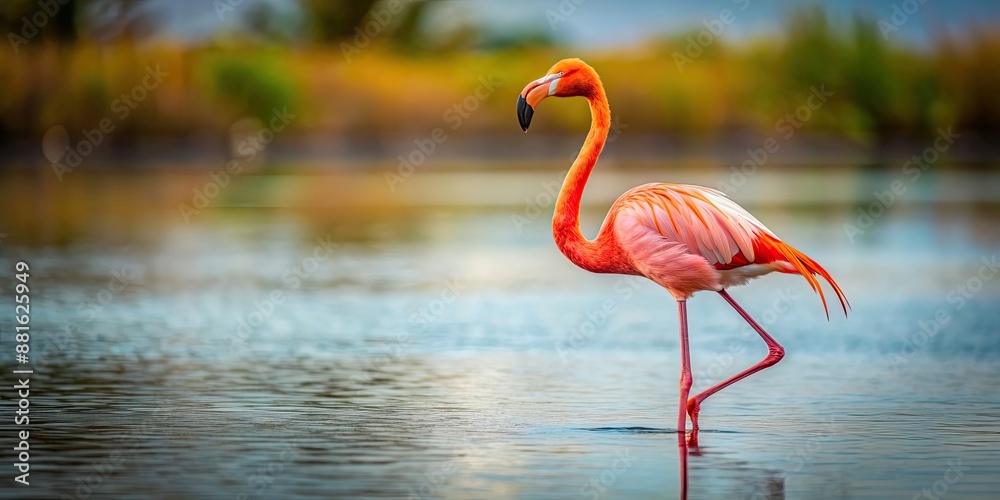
682	446
774	354
686	378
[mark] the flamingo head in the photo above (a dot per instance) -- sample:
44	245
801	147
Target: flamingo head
567	78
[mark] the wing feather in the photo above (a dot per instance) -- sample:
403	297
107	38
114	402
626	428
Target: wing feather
710	224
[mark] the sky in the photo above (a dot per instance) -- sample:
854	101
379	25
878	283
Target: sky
611	23
621	22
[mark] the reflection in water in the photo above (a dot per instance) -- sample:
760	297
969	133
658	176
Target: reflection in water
682	446
760	483
363	382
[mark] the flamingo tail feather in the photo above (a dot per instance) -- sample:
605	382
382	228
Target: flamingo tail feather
808	268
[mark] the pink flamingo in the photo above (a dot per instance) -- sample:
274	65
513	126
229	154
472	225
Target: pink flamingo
684	238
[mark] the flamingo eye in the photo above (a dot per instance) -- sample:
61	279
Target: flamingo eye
555	82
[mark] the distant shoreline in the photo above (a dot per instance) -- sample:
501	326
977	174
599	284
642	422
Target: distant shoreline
512	152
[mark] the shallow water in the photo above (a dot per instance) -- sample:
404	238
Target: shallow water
446	354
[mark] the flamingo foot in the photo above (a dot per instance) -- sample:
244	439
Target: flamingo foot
693	408
692	439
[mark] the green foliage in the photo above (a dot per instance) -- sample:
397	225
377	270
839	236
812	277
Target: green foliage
870	79
334	20
93	96
813	55
406	79
882	90
251	85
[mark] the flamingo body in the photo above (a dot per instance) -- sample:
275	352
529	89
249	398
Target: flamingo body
684	238
691	238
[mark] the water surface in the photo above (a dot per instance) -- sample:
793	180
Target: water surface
445	354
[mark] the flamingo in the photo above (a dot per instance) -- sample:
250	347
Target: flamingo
684	238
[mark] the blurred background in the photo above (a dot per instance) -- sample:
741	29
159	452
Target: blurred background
362	81
302	248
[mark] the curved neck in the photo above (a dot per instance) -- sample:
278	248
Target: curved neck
566	220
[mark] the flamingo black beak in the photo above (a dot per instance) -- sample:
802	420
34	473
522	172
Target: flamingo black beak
533	94
524	113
